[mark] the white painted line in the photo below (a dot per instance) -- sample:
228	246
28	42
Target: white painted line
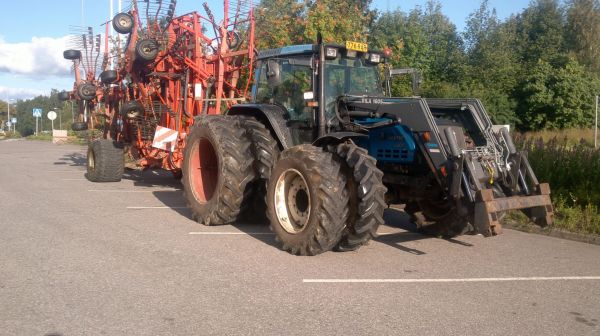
153	207
131	191
233	233
451	280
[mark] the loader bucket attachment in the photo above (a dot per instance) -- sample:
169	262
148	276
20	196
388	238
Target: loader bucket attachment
537	206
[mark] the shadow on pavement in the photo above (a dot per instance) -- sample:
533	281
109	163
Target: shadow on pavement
72	160
399	219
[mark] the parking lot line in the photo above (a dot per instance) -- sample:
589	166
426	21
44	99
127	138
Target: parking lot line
234	233
564	278
131	191
154	207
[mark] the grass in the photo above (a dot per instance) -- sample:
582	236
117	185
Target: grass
567	160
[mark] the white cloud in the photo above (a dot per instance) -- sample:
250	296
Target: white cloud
21	93
40	58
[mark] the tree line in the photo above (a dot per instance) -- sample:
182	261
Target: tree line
537	69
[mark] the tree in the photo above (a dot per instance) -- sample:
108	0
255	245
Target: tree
287	22
556	97
583	31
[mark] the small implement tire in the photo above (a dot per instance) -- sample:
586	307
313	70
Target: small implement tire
122	23
233	39
79	126
131	109
86	91
108	76
64	96
265	152
307	200
146	50
442	220
367	196
71	54
104	161
217	170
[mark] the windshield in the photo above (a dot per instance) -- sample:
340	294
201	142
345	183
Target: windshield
350	76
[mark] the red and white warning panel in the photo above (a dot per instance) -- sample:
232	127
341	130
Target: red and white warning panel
165	138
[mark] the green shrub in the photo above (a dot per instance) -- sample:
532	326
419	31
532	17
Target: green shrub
573	170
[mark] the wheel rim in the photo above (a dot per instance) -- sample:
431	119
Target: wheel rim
133	114
124	22
91	160
292	201
203	170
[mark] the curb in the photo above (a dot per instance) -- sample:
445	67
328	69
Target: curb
557	233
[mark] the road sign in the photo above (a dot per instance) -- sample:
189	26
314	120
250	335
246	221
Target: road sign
8	124
37	112
13	120
51	115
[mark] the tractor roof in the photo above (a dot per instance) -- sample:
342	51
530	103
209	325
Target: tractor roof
299	49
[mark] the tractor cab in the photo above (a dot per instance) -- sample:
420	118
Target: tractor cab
292	79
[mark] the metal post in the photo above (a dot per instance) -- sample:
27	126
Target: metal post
8	106
596	126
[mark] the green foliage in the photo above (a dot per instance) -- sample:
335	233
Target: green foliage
286	22
556	96
571	170
570	165
23	111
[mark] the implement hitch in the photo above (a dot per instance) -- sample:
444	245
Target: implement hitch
537	206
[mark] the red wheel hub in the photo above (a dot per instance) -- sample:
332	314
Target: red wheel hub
204	170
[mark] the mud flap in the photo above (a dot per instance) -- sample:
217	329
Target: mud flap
538	207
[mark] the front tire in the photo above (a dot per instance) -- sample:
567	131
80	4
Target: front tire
105	161
367	196
307	200
217	170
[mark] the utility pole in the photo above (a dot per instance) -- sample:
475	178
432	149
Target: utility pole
596	126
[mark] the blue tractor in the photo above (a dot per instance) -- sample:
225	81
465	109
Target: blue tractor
322	150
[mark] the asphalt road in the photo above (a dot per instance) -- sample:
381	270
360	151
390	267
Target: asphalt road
79	258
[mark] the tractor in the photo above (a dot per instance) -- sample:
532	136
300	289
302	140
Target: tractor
323	151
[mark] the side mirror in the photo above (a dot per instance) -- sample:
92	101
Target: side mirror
273	73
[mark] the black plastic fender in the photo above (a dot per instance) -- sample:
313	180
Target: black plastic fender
272	116
337	137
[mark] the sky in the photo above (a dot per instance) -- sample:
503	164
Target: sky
34	33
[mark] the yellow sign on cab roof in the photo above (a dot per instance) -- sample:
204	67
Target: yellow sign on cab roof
362	47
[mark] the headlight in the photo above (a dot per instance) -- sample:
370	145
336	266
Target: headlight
375	58
330	53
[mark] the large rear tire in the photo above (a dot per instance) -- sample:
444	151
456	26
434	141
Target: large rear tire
105	161
367	196
217	170
265	152
307	200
